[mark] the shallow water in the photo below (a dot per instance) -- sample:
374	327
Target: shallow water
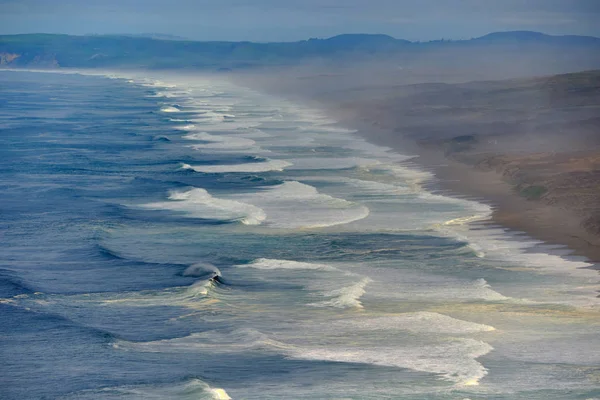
187	238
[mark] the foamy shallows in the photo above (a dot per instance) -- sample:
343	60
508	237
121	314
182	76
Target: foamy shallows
259	166
414	322
198	203
287	243
189	127
454	359
192	296
324	163
219	142
345	297
192	389
169	109
334	287
269	264
296	205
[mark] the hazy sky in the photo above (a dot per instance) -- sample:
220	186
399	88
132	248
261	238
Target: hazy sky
285	20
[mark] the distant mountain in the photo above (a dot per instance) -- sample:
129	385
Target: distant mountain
157	36
127	51
535	37
362	40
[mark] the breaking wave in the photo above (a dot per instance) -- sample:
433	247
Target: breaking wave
170	109
294	205
198	203
264	166
194	389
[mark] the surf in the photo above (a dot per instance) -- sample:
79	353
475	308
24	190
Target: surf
198	203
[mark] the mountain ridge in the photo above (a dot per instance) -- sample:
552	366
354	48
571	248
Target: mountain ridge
94	51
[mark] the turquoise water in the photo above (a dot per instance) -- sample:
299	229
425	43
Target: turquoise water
178	236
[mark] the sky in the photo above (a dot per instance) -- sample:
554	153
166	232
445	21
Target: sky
290	20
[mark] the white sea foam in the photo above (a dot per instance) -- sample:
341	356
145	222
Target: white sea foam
185	296
164	94
421	287
407	173
157	84
201	270
189	127
365	187
455	359
192	296
263	166
209	116
297	205
478	289
193	389
427	322
324	163
242	339
219	141
169	109
198	203
265	263
346	297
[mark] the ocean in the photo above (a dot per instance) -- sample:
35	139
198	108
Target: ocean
173	236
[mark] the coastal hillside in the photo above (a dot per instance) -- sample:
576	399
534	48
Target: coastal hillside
102	51
538	136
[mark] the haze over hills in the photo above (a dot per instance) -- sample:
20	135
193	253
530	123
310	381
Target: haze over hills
94	51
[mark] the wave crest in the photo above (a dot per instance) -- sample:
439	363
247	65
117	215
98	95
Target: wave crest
198	203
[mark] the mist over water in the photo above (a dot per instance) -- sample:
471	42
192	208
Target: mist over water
182	237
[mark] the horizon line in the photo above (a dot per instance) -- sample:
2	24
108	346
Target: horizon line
176	38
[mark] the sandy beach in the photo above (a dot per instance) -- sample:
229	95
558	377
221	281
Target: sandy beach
529	147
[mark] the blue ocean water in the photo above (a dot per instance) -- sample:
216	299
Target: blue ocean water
178	236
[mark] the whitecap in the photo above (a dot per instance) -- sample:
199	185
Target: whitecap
192	389
189	127
169	109
455	360
346	297
219	141
198	203
184	296
262	166
422	322
268	264
296	205
329	163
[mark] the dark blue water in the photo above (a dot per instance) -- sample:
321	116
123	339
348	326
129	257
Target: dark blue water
199	240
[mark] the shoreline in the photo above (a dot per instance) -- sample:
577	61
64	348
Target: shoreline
363	110
549	224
